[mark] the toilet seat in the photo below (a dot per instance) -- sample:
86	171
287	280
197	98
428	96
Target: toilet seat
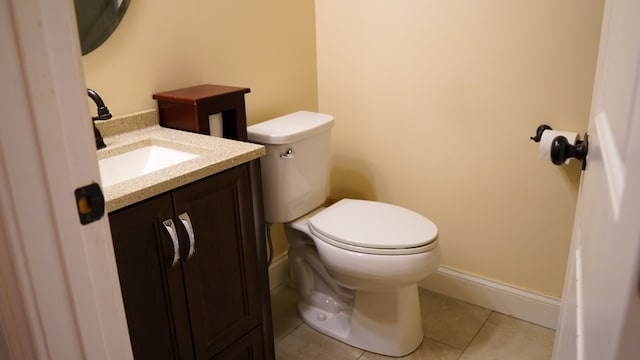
374	228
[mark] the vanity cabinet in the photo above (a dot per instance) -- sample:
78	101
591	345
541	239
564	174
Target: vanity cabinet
207	305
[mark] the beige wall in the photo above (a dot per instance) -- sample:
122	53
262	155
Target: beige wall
161	45
435	102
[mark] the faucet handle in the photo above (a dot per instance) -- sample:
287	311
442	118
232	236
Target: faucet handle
103	114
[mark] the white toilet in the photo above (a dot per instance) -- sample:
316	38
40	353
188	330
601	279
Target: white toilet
355	263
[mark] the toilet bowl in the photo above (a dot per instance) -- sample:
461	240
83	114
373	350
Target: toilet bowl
365	296
355	263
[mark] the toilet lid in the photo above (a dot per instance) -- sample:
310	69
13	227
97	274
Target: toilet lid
373	225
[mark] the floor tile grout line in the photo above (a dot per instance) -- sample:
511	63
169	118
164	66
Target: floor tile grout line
447	345
477	332
289	332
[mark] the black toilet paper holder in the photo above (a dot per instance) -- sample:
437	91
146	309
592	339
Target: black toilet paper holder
539	132
562	149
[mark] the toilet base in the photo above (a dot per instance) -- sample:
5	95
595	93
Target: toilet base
388	322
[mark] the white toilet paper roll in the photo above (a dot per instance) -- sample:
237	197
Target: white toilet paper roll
547	139
215	124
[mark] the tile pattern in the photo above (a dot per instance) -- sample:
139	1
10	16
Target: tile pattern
504	337
453	330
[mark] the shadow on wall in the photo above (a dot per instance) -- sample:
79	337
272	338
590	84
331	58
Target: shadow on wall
571	174
351	178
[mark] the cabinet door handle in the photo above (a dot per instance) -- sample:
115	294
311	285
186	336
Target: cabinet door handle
186	222
173	234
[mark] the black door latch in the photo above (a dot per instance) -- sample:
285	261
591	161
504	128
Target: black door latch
90	203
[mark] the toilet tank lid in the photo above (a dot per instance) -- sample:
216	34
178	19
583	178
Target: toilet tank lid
290	128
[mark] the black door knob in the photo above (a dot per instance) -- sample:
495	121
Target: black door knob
561	150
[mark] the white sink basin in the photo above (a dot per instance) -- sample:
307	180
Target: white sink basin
139	162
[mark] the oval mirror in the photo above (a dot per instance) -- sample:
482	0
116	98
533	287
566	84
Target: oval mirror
97	19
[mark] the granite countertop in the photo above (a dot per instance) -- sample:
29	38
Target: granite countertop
141	129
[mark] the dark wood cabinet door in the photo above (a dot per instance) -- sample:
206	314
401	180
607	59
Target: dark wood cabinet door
153	293
250	347
221	277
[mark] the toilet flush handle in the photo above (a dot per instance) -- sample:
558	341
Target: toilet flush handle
289	154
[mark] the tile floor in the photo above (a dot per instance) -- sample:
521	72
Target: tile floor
453	329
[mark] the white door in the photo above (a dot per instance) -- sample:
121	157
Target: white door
600	314
59	290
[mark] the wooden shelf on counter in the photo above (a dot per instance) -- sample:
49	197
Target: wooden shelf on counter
189	109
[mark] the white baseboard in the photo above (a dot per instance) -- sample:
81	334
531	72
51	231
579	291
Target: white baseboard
279	271
505	299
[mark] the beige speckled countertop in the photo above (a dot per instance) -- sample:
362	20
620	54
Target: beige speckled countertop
141	129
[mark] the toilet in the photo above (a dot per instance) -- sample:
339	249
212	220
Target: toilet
356	263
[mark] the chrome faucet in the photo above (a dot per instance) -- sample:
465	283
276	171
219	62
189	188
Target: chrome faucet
103	114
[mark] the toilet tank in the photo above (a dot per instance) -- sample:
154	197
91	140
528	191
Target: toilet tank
295	169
